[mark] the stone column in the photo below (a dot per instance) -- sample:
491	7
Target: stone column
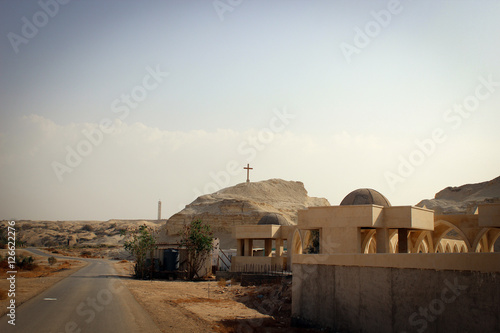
240	247
248	251
279	247
268	247
403	240
382	237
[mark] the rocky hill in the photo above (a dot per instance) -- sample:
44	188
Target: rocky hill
464	199
84	235
244	203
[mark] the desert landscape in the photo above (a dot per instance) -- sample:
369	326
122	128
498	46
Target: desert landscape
208	305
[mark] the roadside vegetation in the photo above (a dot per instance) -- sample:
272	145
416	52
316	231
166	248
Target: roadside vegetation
197	238
140	245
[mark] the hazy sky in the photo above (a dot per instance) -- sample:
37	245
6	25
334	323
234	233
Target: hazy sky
108	106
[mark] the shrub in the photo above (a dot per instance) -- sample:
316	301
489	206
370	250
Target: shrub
26	263
197	238
52	260
142	243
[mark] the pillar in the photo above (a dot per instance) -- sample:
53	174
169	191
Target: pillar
279	247
240	247
403	240
268	247
382	238
248	248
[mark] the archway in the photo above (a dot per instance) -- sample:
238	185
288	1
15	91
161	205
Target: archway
486	239
442	228
297	245
422	242
368	243
439	248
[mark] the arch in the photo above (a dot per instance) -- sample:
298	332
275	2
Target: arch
368	241
455	249
463	248
393	240
424	240
447	248
422	247
439	248
441	229
297	245
485	240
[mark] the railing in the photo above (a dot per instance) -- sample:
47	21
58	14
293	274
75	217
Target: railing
275	270
223	262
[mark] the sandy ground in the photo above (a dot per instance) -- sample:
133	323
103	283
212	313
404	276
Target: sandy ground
211	306
31	283
175	306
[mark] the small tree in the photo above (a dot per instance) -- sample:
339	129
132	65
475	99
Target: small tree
52	260
142	243
197	238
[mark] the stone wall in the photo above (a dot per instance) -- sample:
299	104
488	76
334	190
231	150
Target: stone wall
357	298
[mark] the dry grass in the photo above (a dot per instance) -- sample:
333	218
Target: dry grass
30	283
221	283
199	300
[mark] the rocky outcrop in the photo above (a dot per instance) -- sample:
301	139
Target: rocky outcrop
464	199
242	204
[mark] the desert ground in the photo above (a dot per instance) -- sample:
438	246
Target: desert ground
175	306
30	283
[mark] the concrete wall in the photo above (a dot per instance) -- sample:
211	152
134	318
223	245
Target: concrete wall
373	298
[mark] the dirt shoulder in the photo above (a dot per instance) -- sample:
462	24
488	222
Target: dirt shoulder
211	306
30	283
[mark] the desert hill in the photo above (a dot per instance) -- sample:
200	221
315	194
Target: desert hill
245	203
463	199
105	235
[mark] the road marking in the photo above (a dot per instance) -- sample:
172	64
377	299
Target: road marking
50	299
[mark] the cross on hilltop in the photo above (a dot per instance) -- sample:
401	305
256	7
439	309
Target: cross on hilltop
247	168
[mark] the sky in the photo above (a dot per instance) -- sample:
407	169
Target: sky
107	107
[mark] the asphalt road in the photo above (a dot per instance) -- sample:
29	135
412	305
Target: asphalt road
91	300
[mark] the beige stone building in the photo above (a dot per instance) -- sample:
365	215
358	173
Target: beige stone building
381	268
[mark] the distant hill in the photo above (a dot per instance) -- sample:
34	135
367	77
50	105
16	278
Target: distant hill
105	235
245	203
464	199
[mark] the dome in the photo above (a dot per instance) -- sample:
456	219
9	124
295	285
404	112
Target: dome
273	218
365	196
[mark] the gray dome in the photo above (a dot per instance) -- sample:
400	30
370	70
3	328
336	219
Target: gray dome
365	196
273	218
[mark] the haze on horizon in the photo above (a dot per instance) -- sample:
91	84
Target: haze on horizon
107	107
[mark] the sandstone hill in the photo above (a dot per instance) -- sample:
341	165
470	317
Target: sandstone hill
464	199
245	203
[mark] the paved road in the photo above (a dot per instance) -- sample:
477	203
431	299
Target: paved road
91	300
